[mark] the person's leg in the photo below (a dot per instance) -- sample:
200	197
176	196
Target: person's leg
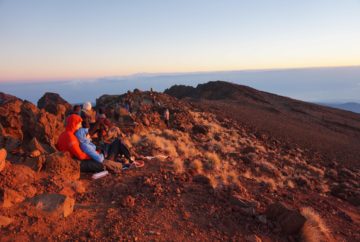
118	148
91	166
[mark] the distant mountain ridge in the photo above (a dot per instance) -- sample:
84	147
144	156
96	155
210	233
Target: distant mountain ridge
330	130
350	106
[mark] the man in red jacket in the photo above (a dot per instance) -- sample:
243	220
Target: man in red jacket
68	142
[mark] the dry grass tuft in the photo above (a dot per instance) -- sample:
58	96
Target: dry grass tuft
135	139
212	161
197	166
178	165
314	229
163	145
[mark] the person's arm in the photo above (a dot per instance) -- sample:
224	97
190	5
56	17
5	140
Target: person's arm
74	149
96	156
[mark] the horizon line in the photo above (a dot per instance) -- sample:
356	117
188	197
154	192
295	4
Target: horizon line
147	74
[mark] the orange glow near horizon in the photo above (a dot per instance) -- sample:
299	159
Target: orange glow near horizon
54	76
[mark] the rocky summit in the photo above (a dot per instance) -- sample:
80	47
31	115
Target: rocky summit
232	164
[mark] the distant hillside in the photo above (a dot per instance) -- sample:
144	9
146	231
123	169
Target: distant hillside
353	107
331	131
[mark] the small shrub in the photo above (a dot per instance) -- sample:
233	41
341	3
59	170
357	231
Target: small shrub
314	229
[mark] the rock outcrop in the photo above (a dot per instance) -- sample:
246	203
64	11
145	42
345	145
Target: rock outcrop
55	104
61	164
21	121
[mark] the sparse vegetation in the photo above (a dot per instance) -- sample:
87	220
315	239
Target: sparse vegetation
315	229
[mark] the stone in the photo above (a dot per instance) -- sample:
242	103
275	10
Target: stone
35	153
5	221
55	204
21	121
54	103
200	129
61	163
128	201
48	128
35	163
34	144
291	221
201	179
3	155
248	149
10	197
239	201
262	219
12	143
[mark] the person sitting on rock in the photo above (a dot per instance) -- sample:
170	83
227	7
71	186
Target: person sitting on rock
101	125
111	151
76	110
86	115
87	146
68	142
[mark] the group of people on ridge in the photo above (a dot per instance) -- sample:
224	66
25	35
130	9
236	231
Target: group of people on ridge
81	125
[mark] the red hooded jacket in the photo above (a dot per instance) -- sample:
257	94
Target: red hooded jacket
68	141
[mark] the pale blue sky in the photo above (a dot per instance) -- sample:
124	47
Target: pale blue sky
53	40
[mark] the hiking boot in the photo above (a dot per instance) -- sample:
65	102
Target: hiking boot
126	166
113	166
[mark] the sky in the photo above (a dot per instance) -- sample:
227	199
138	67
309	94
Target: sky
90	39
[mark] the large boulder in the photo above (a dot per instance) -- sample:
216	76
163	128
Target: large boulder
61	164
291	221
21	121
10	119
55	104
40	124
55	204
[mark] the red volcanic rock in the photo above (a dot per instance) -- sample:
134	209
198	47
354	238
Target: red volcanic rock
62	164
21	121
55	204
55	104
6	98
291	221
200	129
